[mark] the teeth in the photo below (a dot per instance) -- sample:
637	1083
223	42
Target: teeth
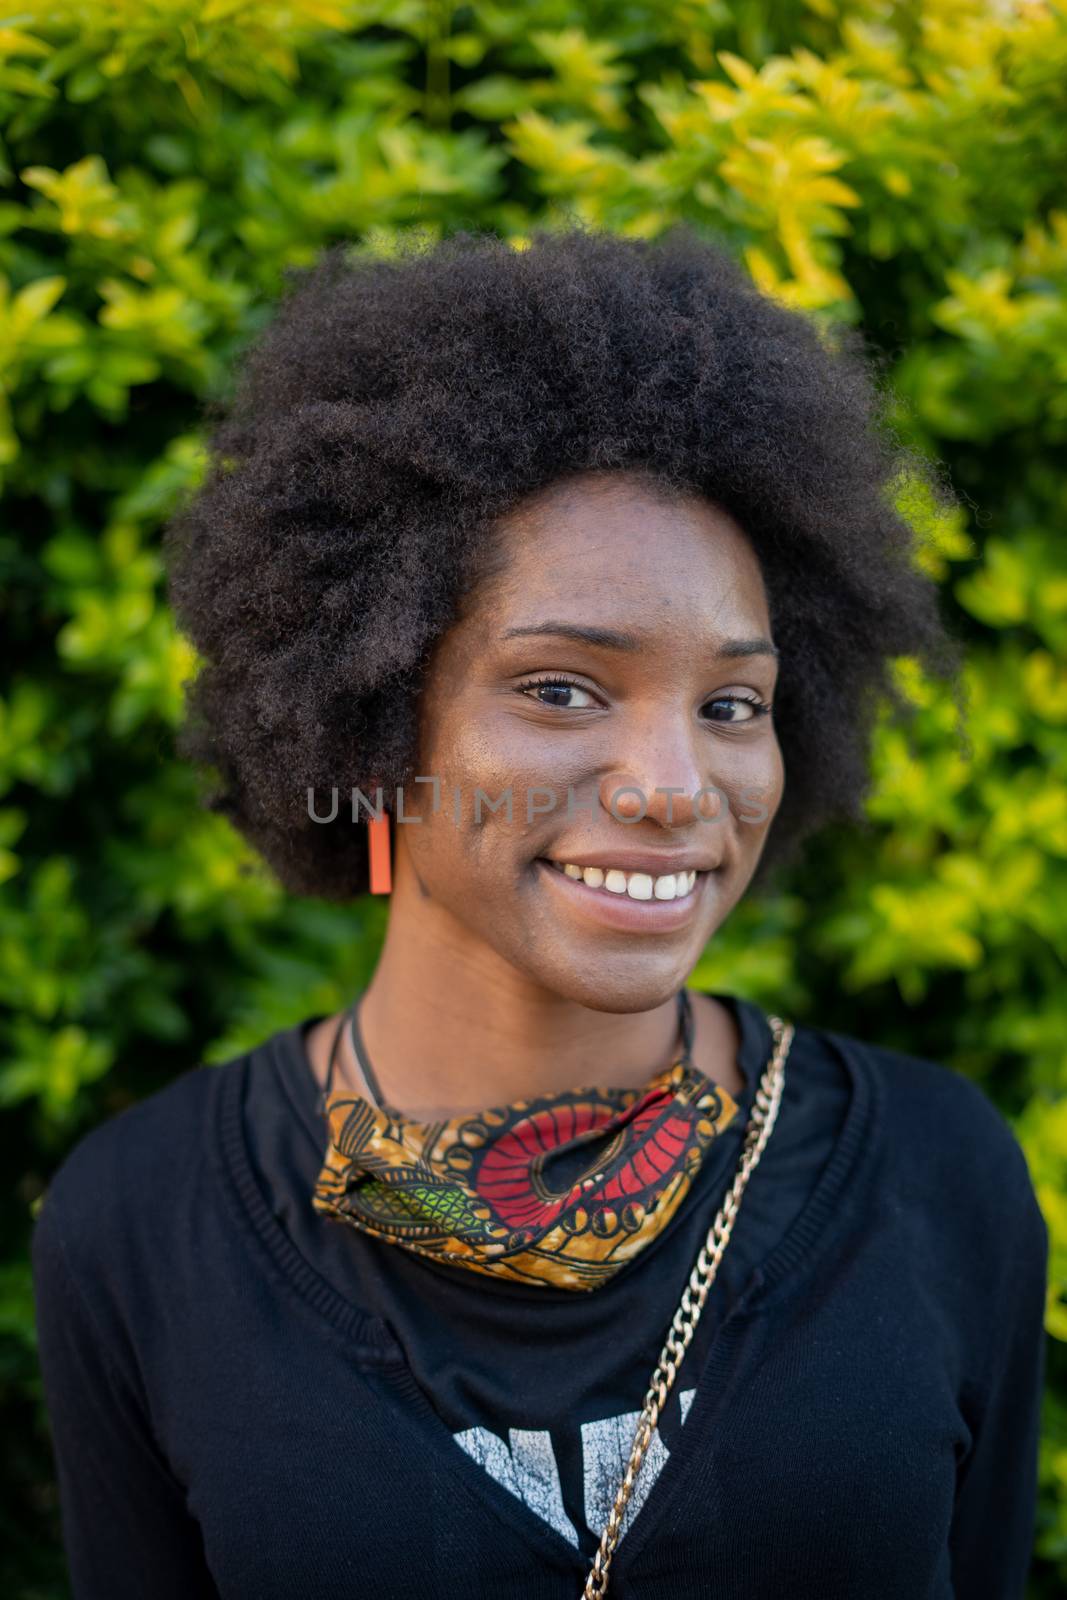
638	885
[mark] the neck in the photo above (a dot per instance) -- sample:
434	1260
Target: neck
450	1029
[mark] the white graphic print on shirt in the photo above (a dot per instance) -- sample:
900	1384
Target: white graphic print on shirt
526	1466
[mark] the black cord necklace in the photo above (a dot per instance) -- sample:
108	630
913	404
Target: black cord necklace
350	1017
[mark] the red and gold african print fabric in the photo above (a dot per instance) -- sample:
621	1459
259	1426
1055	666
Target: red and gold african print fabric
560	1190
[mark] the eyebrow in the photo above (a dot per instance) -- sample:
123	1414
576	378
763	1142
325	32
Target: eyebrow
610	639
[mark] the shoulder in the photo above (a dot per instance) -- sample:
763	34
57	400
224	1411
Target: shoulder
138	1144
124	1182
941	1137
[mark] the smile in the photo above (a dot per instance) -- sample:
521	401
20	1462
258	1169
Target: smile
626	901
637	885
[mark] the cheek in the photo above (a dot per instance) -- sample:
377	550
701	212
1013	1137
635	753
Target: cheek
467	858
488	755
752	778
759	794
465	751
460	861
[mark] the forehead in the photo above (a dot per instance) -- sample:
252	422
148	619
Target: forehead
616	545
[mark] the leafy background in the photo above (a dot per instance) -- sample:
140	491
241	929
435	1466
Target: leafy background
899	166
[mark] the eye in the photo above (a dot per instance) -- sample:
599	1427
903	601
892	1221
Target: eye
757	708
558	685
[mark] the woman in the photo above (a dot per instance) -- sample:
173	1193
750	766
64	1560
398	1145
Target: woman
577	571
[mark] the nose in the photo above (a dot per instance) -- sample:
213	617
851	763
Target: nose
664	778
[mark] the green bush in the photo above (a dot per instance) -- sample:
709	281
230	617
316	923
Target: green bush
893	165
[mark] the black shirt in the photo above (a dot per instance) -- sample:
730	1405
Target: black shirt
250	1399
544	1386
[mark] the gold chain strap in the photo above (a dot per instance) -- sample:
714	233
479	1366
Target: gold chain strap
761	1120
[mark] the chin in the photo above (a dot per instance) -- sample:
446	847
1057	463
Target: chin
621	988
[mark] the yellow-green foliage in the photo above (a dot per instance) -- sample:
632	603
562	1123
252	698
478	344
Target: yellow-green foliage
898	166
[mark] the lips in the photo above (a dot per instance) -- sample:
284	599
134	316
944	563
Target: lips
597	906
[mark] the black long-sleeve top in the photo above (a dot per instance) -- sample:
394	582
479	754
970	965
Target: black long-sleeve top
252	1401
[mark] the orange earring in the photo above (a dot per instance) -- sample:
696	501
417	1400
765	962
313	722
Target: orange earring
381	872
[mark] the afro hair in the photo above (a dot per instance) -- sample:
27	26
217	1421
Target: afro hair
396	406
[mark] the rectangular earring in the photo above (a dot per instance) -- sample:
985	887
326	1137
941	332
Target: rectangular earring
381	873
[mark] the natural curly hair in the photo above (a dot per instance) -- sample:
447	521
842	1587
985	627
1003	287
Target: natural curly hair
396	406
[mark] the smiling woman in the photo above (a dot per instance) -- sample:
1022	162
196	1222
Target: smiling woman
602	769
587	556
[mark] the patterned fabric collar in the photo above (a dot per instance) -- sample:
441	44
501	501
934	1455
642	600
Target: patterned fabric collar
561	1189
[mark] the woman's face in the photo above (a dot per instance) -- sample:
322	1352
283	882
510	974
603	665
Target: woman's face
653	612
